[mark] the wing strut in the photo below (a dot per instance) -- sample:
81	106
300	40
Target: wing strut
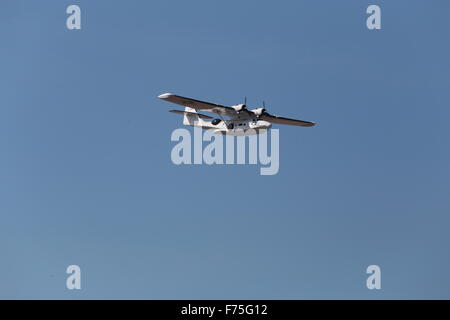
224	121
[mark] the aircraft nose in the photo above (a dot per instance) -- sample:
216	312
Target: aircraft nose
265	124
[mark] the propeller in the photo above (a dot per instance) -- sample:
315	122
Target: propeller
264	112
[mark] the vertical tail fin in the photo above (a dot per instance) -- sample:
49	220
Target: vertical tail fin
191	118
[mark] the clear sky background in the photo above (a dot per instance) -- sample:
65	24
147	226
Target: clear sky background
87	179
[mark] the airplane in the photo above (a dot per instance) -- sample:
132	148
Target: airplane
241	122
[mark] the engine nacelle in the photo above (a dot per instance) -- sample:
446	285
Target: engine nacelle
239	107
259	111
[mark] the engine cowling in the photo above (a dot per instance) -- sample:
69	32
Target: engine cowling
239	107
258	112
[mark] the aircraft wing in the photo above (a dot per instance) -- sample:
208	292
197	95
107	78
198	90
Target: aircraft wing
288	121
199	105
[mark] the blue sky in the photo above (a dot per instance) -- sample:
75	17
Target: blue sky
85	150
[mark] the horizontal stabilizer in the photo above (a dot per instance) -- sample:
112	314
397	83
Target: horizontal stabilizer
201	116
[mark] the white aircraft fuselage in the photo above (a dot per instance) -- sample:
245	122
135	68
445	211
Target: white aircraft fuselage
233	127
